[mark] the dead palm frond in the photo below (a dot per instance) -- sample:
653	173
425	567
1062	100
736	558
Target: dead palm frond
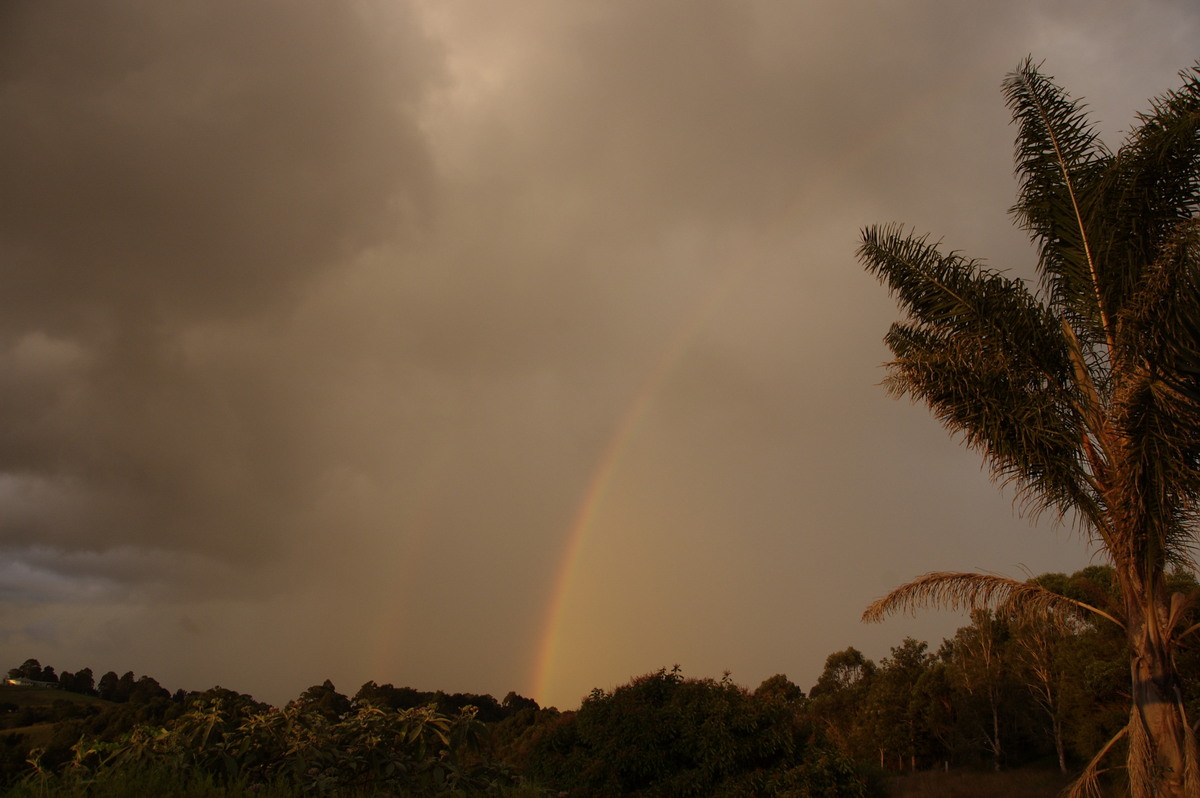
1088	783
967	591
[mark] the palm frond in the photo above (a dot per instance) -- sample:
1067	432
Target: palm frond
1059	157
1155	179
1156	494
1160	323
993	365
1140	762
950	291
1191	759
1156	409
1088	783
963	591
1025	424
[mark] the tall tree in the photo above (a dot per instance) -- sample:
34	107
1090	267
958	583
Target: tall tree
976	654
838	700
29	669
1038	645
1083	392
326	700
894	708
84	682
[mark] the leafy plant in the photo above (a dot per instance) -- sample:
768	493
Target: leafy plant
368	751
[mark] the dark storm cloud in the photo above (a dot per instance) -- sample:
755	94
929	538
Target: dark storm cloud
168	166
198	159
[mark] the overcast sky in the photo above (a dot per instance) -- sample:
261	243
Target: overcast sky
490	346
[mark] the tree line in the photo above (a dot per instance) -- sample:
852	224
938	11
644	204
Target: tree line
1002	692
380	740
118	689
660	734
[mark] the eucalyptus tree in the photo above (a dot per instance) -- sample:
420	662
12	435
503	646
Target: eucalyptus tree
980	669
1082	390
838	703
1039	646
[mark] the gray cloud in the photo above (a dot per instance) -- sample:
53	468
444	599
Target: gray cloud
167	168
150	147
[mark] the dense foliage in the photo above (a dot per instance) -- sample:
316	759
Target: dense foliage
1002	692
665	735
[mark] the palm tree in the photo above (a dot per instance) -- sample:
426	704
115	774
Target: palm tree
1083	392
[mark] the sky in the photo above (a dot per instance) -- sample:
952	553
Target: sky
499	346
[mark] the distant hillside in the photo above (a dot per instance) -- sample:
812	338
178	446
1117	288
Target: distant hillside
44	696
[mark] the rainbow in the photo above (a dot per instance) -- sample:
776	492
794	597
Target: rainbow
624	430
597	486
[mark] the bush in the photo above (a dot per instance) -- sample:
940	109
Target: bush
665	735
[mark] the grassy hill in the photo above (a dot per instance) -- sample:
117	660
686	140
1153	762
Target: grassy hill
31	714
44	696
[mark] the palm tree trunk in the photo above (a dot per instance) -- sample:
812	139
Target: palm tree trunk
1159	755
